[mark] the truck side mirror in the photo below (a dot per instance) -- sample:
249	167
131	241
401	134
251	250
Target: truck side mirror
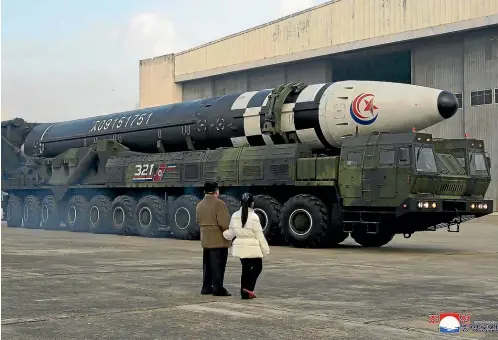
404	155
488	162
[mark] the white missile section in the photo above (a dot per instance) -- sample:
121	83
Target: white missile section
382	107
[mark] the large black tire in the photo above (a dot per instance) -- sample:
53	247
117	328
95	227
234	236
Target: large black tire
50	218
366	240
151	215
268	210
13	213
77	214
183	222
32	212
304	221
231	202
99	214
123	218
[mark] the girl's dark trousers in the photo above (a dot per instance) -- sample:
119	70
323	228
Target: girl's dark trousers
251	268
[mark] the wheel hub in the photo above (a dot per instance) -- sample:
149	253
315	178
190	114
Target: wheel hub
44	213
145	217
25	212
71	215
94	215
182	218
300	222
118	217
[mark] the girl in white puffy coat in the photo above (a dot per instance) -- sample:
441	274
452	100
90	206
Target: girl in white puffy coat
249	244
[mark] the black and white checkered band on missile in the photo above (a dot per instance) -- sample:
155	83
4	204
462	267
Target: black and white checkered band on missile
300	115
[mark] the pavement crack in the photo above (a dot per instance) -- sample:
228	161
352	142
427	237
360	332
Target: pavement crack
379	321
108	272
41	275
17	321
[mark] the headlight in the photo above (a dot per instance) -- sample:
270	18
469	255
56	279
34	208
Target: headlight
479	206
426	205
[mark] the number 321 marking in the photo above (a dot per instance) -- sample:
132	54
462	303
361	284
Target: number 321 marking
144	169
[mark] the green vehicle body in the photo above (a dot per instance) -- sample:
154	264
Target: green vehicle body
374	187
473	161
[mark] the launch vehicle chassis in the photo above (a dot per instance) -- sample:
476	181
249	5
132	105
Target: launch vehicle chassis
304	220
296	196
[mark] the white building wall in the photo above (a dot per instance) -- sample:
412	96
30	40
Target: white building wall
464	64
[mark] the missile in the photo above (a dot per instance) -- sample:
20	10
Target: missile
320	115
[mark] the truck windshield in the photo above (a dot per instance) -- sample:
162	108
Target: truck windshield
477	164
447	164
426	161
460	157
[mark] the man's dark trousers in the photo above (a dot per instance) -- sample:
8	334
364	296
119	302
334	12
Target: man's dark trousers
214	261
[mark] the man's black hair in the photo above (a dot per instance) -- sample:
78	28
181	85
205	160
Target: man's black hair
210	187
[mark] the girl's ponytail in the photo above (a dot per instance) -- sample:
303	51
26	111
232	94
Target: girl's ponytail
247	200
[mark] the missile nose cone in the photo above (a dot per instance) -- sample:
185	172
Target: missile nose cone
447	104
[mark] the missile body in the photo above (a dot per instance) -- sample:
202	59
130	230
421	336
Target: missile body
320	115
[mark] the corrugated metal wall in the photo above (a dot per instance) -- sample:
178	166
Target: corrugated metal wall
197	89
267	77
231	83
481	72
332	24
439	63
462	65
309	72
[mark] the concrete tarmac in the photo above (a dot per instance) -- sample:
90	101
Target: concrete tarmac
63	285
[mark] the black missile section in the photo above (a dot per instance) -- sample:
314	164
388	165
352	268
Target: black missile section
173	127
195	125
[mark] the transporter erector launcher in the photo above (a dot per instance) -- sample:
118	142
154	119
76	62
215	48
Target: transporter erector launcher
141	172
320	115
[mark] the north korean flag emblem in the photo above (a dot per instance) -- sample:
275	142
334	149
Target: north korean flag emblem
158	176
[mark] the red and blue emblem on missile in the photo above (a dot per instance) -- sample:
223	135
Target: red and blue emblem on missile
363	110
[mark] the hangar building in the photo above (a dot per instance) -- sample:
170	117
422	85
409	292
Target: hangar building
446	44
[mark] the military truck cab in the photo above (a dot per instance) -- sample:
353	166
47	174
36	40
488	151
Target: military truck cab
472	158
400	183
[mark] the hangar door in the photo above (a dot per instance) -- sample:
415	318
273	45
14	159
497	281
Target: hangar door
378	66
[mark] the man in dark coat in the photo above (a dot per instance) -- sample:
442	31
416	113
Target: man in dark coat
213	218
